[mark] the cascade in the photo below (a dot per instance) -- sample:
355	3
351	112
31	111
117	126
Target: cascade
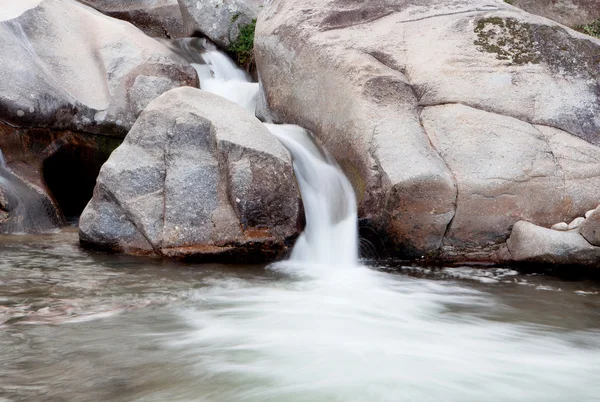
331	235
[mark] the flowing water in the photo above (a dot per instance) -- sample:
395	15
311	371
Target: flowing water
85	326
77	325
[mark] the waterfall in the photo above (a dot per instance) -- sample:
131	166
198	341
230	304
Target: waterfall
331	234
25	209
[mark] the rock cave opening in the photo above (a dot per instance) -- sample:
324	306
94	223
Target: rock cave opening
70	174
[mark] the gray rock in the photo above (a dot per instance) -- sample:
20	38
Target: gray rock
447	139
567	12
562	226
219	20
94	77
576	223
590	229
156	18
531	243
197	176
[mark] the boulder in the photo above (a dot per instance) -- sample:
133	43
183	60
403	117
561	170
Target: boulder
65	66
452	119
219	20
590	229
534	244
196	177
156	18
567	12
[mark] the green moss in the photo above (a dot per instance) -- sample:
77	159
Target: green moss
508	38
242	47
511	2
591	28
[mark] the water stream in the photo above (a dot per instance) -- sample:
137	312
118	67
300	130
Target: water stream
77	325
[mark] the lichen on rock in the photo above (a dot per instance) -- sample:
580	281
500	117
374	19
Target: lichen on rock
508	38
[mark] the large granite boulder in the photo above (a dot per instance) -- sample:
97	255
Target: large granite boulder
197	177
67	66
567	12
157	18
452	119
219	20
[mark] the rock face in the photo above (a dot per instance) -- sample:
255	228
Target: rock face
157	18
452	119
219	20
197	176
535	244
65	66
567	12
590	229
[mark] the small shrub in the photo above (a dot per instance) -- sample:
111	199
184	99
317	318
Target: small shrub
242	47
591	28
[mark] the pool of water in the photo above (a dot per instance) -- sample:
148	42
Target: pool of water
77	325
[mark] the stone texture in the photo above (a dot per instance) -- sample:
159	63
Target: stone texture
535	244
562	226
156	18
447	137
197	176
567	12
590	229
65	66
219	20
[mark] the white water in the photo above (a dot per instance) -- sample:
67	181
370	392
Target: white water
330	237
332	330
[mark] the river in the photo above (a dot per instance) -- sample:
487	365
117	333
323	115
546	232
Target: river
78	325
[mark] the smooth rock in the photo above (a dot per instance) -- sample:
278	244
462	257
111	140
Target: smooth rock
447	139
590	229
219	20
532	243
197	176
588	213
67	66
562	226
156	18
567	12
575	223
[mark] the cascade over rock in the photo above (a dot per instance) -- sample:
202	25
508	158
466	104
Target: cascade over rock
157	18
452	119
197	177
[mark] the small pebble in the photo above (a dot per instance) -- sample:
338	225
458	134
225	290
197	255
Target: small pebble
588	213
20	113
562	226
576	223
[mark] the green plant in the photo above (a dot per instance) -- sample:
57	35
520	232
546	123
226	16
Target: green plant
591	28
242	47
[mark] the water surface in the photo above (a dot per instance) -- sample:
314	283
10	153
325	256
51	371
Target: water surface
85	326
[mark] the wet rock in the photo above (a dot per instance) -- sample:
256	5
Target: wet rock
452	119
590	229
87	78
567	12
219	20
562	226
575	223
196	177
156	18
535	244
